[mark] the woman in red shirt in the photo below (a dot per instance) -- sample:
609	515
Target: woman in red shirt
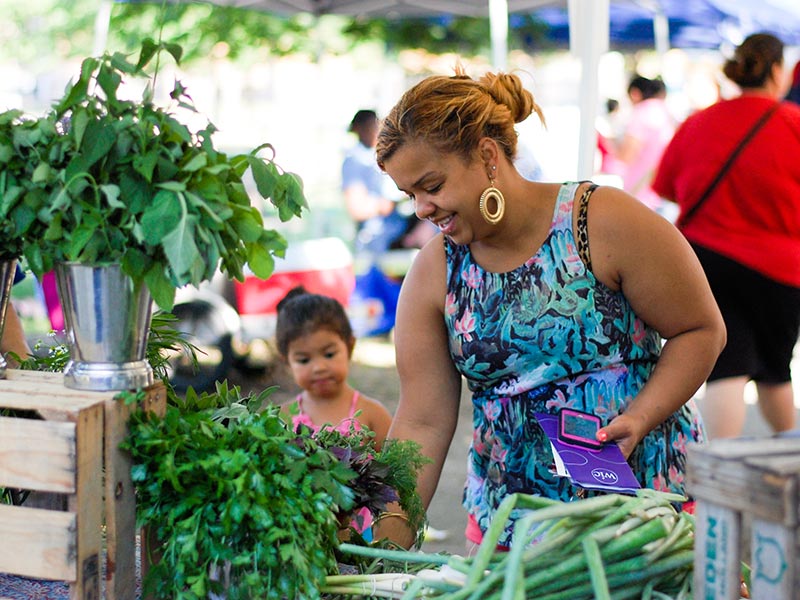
746	231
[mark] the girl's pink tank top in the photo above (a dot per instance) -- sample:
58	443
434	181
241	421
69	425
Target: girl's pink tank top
343	426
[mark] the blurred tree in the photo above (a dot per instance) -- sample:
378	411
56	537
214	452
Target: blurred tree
50	30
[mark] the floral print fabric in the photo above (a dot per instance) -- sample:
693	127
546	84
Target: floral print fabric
535	339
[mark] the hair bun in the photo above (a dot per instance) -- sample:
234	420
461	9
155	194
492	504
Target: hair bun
296	291
507	89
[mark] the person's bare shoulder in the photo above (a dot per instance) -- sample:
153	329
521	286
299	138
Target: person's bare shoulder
375	416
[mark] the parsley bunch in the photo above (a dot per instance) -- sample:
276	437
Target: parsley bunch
240	505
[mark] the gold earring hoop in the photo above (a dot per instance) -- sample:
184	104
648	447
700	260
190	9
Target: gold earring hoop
492	194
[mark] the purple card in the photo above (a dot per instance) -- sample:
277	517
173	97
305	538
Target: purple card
605	470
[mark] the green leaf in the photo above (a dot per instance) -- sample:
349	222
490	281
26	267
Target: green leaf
196	163
176	50
120	62
41	173
260	261
97	142
77	92
265	174
145	164
181	251
111	194
149	49
79	237
162	217
173	186
108	79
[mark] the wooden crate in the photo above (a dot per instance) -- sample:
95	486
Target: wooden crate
72	448
754	481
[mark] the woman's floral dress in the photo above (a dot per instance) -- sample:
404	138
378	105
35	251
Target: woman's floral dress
540	337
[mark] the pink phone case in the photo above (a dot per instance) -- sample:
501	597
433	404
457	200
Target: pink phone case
577	428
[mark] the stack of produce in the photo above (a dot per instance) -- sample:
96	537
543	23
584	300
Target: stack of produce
610	546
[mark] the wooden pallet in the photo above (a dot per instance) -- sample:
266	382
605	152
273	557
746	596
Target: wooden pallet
66	441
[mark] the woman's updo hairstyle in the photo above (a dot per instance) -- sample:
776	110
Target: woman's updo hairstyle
752	62
454	113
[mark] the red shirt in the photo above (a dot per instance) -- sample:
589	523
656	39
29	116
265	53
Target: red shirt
753	215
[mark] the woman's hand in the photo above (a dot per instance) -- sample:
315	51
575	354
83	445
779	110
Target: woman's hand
626	430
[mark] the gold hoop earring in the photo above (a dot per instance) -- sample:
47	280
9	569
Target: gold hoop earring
489	194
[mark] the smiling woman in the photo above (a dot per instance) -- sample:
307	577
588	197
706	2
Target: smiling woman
558	300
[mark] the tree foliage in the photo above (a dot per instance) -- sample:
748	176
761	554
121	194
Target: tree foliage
40	30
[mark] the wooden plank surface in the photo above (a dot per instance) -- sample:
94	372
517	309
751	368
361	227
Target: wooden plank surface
744	448
45	393
37	455
764	483
38	543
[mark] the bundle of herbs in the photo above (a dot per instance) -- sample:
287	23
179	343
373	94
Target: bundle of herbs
242	506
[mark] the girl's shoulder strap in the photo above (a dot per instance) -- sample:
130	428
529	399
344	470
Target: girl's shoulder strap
353	404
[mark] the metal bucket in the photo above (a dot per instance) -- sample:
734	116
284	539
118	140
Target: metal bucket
7	270
107	321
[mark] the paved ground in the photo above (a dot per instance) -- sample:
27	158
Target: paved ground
374	374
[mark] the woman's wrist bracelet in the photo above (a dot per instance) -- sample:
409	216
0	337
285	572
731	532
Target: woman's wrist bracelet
387	515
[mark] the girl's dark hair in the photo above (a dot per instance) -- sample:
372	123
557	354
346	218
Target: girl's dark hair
752	62
301	313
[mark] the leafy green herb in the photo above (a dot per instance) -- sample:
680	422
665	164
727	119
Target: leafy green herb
243	506
382	476
102	179
235	497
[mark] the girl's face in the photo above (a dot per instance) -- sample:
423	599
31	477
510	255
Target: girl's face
445	189
319	362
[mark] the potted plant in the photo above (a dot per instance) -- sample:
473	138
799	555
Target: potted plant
18	139
126	198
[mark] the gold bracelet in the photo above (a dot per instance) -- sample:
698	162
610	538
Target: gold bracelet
387	515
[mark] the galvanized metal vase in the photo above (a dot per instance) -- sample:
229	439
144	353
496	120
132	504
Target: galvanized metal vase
7	270
107	321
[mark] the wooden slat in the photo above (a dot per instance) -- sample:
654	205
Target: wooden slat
40	376
120	499
716	555
37	455
38	543
87	502
764	483
776	561
45	393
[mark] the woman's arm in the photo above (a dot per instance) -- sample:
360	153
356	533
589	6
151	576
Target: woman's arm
638	252
430	386
13	339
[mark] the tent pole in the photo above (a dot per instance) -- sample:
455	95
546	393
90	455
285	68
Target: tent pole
498	22
588	41
102	23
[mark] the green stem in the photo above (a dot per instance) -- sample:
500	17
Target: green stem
394	555
597	572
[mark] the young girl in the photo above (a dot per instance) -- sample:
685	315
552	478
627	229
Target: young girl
315	339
